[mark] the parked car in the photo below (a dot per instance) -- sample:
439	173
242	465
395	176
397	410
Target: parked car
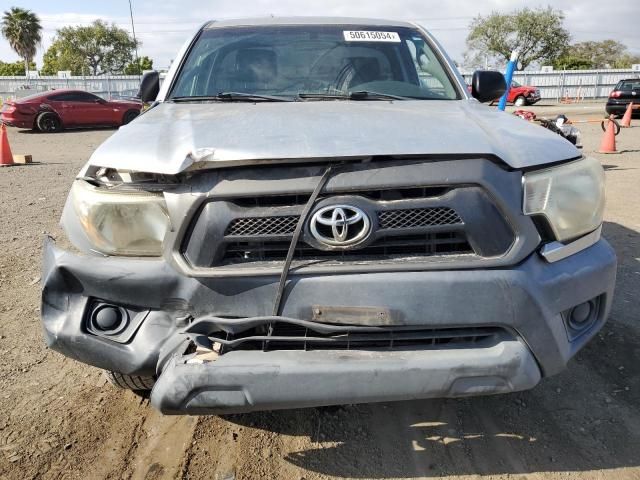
55	110
625	92
303	218
521	95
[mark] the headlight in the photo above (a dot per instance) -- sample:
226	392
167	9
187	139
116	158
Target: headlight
570	196
121	223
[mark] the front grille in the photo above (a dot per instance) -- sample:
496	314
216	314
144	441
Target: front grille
392	219
429	244
418	217
288	336
422	225
255	226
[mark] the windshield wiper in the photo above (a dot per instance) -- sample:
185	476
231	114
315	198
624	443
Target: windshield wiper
231	97
358	95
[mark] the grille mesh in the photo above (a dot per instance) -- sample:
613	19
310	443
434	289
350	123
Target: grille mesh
289	336
285	225
418	217
250	226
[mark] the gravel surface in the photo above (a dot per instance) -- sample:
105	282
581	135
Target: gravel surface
59	419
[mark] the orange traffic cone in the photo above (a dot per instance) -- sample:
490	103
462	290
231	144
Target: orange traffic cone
6	157
608	144
626	120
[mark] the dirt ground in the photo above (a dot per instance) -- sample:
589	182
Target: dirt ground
58	418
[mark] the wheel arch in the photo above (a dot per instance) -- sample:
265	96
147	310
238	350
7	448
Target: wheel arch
47	110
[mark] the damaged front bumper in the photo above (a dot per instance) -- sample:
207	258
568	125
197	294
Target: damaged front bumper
244	381
529	304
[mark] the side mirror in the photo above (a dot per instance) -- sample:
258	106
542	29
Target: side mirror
149	87
487	85
101	101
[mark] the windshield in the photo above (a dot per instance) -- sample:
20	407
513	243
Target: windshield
313	61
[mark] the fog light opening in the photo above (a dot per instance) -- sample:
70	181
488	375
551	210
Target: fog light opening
580	315
580	318
109	319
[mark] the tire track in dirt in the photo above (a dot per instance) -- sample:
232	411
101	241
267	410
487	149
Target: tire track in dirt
162	447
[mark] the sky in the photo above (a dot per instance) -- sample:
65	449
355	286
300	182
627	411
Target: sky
163	26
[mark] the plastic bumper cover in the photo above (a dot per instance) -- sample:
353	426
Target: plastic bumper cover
246	381
527	299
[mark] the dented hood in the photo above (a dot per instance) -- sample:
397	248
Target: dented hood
171	137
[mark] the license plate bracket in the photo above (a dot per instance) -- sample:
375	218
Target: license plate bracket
341	315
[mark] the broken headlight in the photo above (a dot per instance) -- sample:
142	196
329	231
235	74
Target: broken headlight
570	197
120	222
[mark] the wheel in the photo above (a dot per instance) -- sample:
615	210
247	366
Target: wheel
48	122
129	116
136	383
520	101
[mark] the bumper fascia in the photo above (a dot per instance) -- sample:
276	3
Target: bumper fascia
245	381
18	120
619	107
527	299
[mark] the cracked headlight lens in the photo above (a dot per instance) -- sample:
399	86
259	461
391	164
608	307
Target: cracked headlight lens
570	197
121	222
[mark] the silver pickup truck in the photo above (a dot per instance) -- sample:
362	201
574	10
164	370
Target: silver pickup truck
316	211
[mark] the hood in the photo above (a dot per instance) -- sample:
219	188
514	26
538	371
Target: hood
171	137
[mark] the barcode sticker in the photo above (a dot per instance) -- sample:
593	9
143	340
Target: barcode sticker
371	36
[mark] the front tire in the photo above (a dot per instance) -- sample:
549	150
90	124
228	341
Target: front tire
520	101
137	383
48	122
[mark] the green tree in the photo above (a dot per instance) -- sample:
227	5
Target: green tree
144	63
23	31
625	61
94	50
595	55
59	57
14	69
570	61
536	34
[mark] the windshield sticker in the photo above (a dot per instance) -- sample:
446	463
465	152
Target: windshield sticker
371	36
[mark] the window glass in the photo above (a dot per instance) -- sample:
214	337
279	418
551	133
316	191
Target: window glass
74	97
629	85
331	59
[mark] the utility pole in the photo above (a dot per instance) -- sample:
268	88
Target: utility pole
133	28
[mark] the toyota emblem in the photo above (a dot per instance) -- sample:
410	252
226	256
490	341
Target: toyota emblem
340	225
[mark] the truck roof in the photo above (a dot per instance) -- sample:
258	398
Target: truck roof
265	21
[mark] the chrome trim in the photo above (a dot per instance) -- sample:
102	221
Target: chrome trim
554	251
340	219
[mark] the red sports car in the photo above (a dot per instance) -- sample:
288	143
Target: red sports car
522	95
57	109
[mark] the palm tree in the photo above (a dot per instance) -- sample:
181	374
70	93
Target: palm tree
23	31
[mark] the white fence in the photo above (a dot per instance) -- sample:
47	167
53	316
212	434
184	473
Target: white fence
103	85
575	84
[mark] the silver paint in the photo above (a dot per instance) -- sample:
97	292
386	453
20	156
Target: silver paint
171	138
